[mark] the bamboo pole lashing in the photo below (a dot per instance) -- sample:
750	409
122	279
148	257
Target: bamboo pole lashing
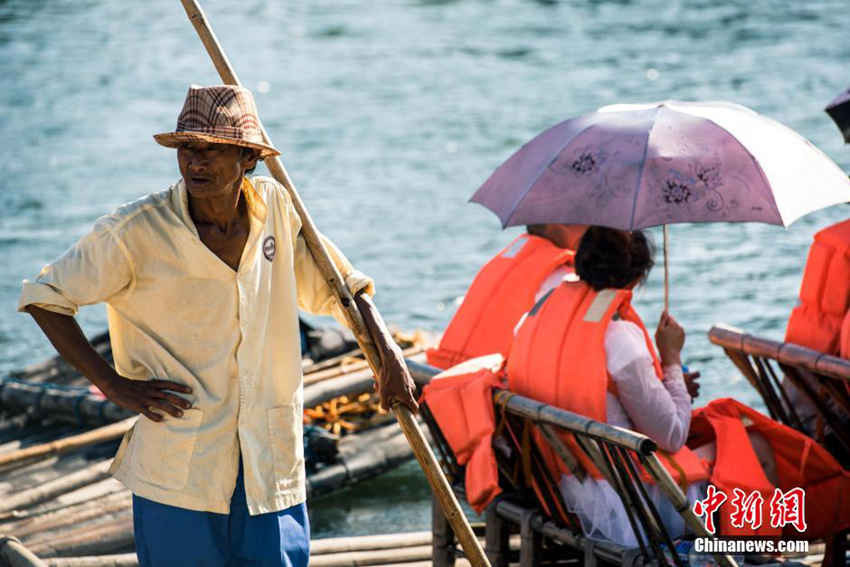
409	425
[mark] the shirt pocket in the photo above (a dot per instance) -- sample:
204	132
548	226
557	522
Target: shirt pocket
287	445
162	452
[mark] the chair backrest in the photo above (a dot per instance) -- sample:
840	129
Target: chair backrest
618	454
823	379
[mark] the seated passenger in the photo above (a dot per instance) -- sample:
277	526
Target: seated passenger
824	304
583	348
821	319
503	290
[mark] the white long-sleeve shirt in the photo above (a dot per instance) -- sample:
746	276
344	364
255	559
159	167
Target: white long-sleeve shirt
177	312
660	409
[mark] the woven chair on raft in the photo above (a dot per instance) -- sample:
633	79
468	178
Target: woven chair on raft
824	379
555	539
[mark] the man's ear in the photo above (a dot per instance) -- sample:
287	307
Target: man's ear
250	158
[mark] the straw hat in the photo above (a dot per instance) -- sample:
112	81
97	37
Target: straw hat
222	114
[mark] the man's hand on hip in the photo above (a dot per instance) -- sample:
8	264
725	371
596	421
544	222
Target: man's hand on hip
135	395
147	397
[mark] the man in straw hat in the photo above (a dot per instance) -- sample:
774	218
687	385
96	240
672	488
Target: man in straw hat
202	284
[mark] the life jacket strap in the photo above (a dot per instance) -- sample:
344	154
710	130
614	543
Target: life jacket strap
683	477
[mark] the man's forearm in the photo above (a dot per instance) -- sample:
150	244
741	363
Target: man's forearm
149	397
71	344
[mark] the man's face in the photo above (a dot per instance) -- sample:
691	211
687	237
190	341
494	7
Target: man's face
211	170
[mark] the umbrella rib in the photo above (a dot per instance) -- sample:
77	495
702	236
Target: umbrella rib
757	167
641	169
534	179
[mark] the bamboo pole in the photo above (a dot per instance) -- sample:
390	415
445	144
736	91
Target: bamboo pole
373	557
683	507
115	535
544	413
364	543
62	485
430	466
79	525
66	499
74	514
364	461
14	554
329	362
353	383
339	370
46	399
121	560
105	433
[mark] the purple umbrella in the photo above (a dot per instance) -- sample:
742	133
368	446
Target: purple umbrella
839	111
636	166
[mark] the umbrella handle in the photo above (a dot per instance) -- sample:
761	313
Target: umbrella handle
666	269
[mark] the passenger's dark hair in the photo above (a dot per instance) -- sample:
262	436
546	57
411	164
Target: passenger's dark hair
536	229
607	257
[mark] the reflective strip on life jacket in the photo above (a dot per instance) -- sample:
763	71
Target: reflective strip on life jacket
558	357
825	292
501	292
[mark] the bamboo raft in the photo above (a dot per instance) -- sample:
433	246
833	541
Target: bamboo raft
413	549
57	438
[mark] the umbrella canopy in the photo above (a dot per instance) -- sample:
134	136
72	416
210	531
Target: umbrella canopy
839	111
633	166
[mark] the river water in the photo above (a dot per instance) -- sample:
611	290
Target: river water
389	115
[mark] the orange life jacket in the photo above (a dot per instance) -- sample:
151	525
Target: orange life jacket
462	405
825	293
844	351
558	357
501	292
800	463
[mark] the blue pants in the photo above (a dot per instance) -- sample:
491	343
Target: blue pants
167	535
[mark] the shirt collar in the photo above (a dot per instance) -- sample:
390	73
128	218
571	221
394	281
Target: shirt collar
254	201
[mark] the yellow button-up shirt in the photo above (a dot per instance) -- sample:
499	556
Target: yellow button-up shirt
178	312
